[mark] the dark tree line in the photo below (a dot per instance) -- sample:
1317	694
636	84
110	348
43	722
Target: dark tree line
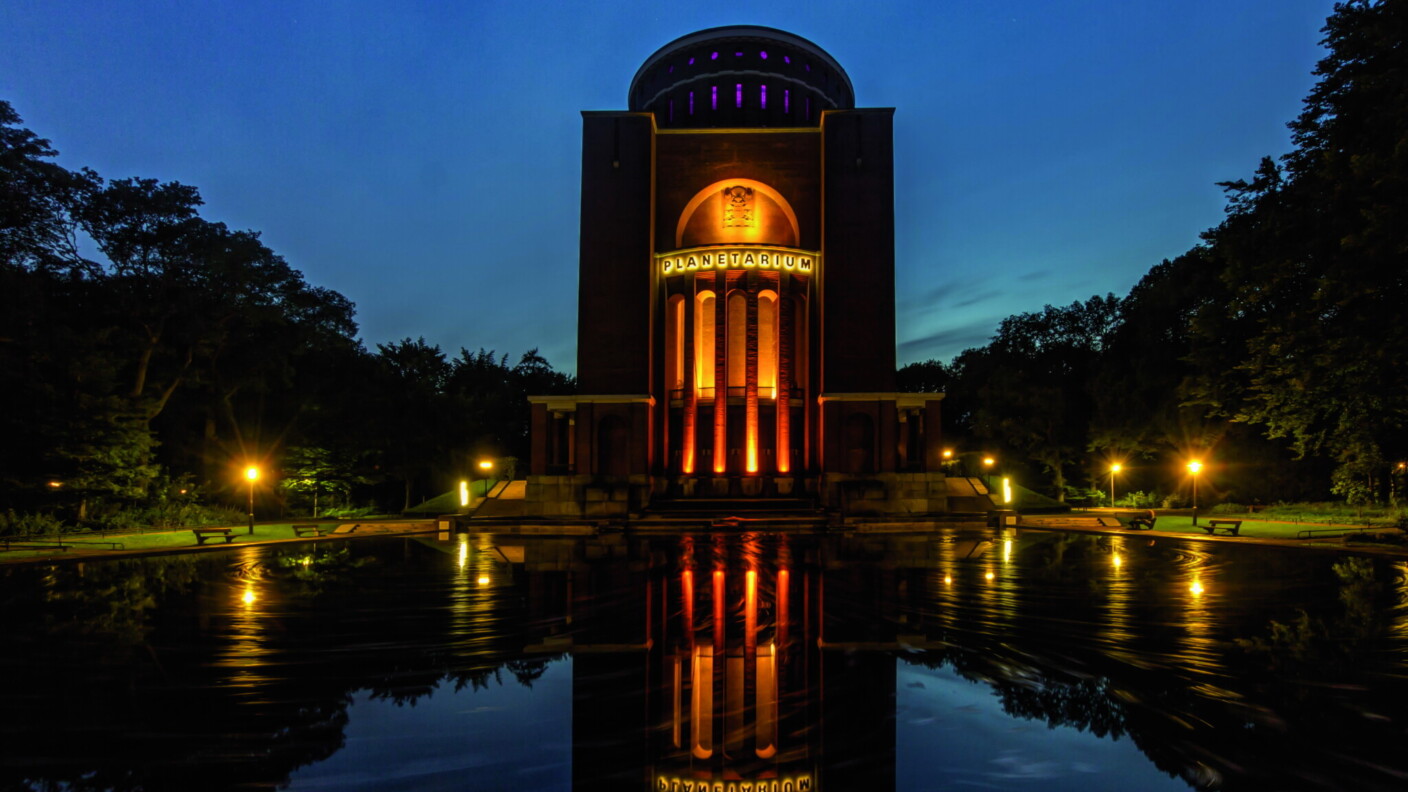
1275	347
147	354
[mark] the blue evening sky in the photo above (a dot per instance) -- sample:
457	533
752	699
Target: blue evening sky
422	158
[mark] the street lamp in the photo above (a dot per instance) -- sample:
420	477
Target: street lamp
1115	468
1193	468
486	465
251	473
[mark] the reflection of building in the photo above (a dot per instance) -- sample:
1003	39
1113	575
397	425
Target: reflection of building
716	678
736	310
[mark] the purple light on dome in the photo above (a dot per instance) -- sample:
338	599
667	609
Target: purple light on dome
738	95
737	54
763	96
786	101
786	58
691	61
691	102
672	69
715	56
808	114
714	97
809	66
763	55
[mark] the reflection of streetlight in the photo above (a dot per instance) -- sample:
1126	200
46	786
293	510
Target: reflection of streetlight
1193	468
464	493
1115	468
252	474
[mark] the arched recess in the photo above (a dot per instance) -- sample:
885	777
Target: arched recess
717	188
767	343
704	344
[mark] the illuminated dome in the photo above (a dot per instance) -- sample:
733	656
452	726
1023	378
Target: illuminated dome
740	76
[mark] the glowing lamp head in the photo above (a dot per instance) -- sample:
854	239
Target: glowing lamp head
989	461
948	453
251	473
1117	467
1194	467
486	464
55	484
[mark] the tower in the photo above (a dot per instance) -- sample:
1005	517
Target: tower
736	325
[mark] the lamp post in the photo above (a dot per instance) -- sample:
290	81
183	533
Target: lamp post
1115	468
1193	468
486	465
251	474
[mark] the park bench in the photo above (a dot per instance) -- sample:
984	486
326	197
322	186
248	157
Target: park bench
1145	523
308	530
1232	527
213	533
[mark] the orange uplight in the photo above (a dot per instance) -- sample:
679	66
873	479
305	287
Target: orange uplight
752	447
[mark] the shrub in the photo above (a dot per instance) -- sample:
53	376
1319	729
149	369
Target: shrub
15	524
1137	500
1229	508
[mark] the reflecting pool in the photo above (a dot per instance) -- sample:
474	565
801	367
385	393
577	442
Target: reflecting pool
962	658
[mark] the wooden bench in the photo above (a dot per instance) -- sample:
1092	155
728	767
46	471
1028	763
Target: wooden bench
213	533
1232	527
1143	523
308	530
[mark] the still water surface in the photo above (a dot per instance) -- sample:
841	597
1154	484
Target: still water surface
960	659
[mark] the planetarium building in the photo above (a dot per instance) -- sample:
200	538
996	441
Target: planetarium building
736	336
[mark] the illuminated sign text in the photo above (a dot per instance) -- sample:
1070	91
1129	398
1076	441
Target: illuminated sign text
800	262
801	783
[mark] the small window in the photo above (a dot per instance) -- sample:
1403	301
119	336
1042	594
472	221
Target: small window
714	97
715	56
691	102
738	95
786	59
763	54
763	96
786	101
691	61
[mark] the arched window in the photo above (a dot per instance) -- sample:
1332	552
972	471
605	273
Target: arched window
767	344
704	344
737	340
674	344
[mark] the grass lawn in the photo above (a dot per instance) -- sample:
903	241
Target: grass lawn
1263	527
176	539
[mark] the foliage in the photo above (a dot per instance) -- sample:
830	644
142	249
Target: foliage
1138	499
139	339
13	524
1029	384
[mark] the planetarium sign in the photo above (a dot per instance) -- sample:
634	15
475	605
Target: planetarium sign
737	257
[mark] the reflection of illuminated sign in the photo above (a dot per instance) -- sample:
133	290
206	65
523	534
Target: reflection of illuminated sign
801	783
738	257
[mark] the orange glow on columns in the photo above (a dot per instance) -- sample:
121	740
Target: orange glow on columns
753	443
